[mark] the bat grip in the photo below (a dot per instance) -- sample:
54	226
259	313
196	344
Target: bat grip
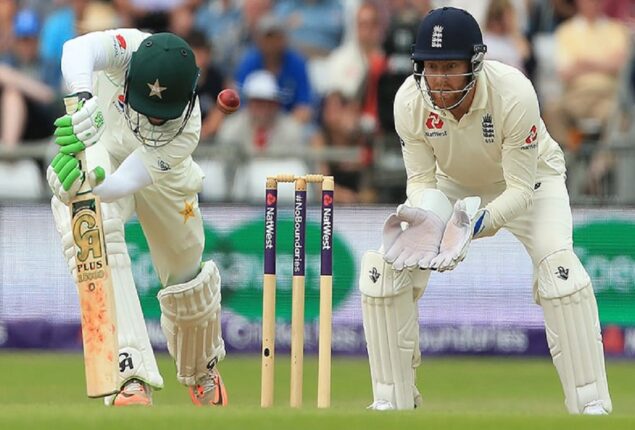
71	103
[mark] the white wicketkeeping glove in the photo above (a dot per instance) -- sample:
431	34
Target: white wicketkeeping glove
417	244
457	235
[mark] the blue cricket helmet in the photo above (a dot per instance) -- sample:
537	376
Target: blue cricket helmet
448	33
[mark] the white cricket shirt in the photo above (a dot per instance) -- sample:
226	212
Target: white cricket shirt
498	146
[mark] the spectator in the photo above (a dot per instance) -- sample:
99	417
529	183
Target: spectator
591	52
272	53
546	16
355	66
153	15
315	26
59	27
623	10
26	102
181	20
209	84
340	128
479	8
262	126
401	33
7	13
226	30
502	35
97	16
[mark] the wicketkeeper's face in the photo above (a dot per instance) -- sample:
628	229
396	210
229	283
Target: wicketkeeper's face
446	80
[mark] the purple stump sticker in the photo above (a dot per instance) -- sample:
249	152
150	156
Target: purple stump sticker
270	231
299	230
326	247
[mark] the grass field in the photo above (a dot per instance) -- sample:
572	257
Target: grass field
46	391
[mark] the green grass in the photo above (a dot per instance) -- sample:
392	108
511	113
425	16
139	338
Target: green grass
39	391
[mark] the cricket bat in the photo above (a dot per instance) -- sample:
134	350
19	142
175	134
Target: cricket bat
94	285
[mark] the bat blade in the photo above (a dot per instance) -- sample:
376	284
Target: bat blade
95	289
96	298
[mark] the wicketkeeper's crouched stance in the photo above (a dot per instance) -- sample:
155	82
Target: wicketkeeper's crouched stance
139	121
471	134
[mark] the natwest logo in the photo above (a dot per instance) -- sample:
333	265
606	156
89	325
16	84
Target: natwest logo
434	121
530	140
532	135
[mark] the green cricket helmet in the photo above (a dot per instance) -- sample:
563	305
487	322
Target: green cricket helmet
160	84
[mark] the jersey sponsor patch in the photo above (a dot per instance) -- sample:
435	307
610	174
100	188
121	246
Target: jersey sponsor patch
434	121
119	44
434	124
530	141
121	41
120	103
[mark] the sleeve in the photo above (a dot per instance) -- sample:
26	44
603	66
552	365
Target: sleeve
129	178
519	157
101	50
418	155
160	161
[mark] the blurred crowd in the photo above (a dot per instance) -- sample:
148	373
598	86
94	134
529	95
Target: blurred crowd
317	79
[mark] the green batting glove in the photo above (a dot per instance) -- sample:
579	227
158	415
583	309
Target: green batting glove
66	178
76	132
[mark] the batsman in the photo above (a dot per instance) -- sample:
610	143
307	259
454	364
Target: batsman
478	159
139	121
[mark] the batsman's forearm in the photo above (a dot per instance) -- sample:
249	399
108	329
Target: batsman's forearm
129	178
80	57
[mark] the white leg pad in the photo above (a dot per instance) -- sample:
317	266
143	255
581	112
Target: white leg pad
136	358
391	327
573	330
191	323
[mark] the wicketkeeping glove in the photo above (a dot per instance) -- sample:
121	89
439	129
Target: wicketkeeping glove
76	132
66	178
457	235
418	243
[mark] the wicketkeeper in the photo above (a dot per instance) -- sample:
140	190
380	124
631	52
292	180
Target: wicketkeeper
139	121
478	158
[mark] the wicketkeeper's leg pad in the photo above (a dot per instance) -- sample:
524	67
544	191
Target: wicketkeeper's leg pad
573	330
391	327
191	323
136	358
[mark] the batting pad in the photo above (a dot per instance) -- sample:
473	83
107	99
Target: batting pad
191	323
136	358
573	330
392	330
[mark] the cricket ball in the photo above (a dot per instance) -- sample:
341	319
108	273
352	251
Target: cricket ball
228	101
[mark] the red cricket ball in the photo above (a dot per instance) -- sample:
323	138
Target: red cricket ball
228	101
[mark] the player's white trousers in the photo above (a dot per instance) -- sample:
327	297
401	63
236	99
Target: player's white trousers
172	224
561	286
563	289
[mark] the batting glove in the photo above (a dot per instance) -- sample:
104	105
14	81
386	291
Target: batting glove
66	178
76	132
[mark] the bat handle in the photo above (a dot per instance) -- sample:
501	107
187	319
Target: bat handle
71	103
